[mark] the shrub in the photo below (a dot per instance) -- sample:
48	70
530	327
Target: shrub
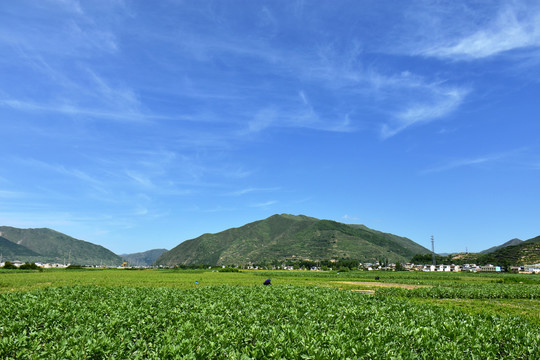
74	267
9	265
28	266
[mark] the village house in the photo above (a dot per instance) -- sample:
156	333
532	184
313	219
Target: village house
533	269
490	268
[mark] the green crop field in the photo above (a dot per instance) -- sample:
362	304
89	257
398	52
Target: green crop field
167	314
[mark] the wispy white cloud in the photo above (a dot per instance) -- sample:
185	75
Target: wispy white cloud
119	98
442	103
328	70
77	92
251	190
83	176
301	114
217	209
460	163
91	39
393	94
513	28
263	119
140	179
265	204
515	155
73	33
37	219
9	194
69	5
232	171
75	110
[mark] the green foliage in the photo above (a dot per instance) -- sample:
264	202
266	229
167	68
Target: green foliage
228	269
8	265
30	266
427	258
281	322
26	266
74	267
468	291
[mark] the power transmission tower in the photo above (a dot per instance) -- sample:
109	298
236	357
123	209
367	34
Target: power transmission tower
433	251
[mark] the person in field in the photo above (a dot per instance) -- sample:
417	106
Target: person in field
267	282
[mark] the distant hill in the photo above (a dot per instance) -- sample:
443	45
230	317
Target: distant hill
508	243
46	245
9	249
145	258
526	252
287	237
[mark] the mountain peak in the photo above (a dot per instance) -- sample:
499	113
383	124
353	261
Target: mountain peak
285	236
512	242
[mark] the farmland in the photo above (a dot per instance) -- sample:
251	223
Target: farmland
159	314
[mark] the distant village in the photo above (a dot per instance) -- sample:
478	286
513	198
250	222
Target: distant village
530	269
376	266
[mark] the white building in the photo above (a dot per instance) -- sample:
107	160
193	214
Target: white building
532	268
490	268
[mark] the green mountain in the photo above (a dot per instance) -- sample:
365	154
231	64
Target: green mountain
526	252
46	245
145	258
288	237
508	243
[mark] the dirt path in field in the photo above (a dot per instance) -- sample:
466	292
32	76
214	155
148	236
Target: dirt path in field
380	284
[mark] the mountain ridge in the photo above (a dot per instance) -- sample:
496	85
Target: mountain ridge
526	252
53	246
283	237
512	242
144	258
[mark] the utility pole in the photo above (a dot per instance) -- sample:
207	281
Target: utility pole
433	251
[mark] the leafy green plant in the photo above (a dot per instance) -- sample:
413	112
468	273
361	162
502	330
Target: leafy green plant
255	322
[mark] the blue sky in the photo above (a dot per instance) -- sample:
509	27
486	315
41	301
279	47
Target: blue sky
141	124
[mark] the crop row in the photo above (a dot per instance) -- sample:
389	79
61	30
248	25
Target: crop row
283	322
468	291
